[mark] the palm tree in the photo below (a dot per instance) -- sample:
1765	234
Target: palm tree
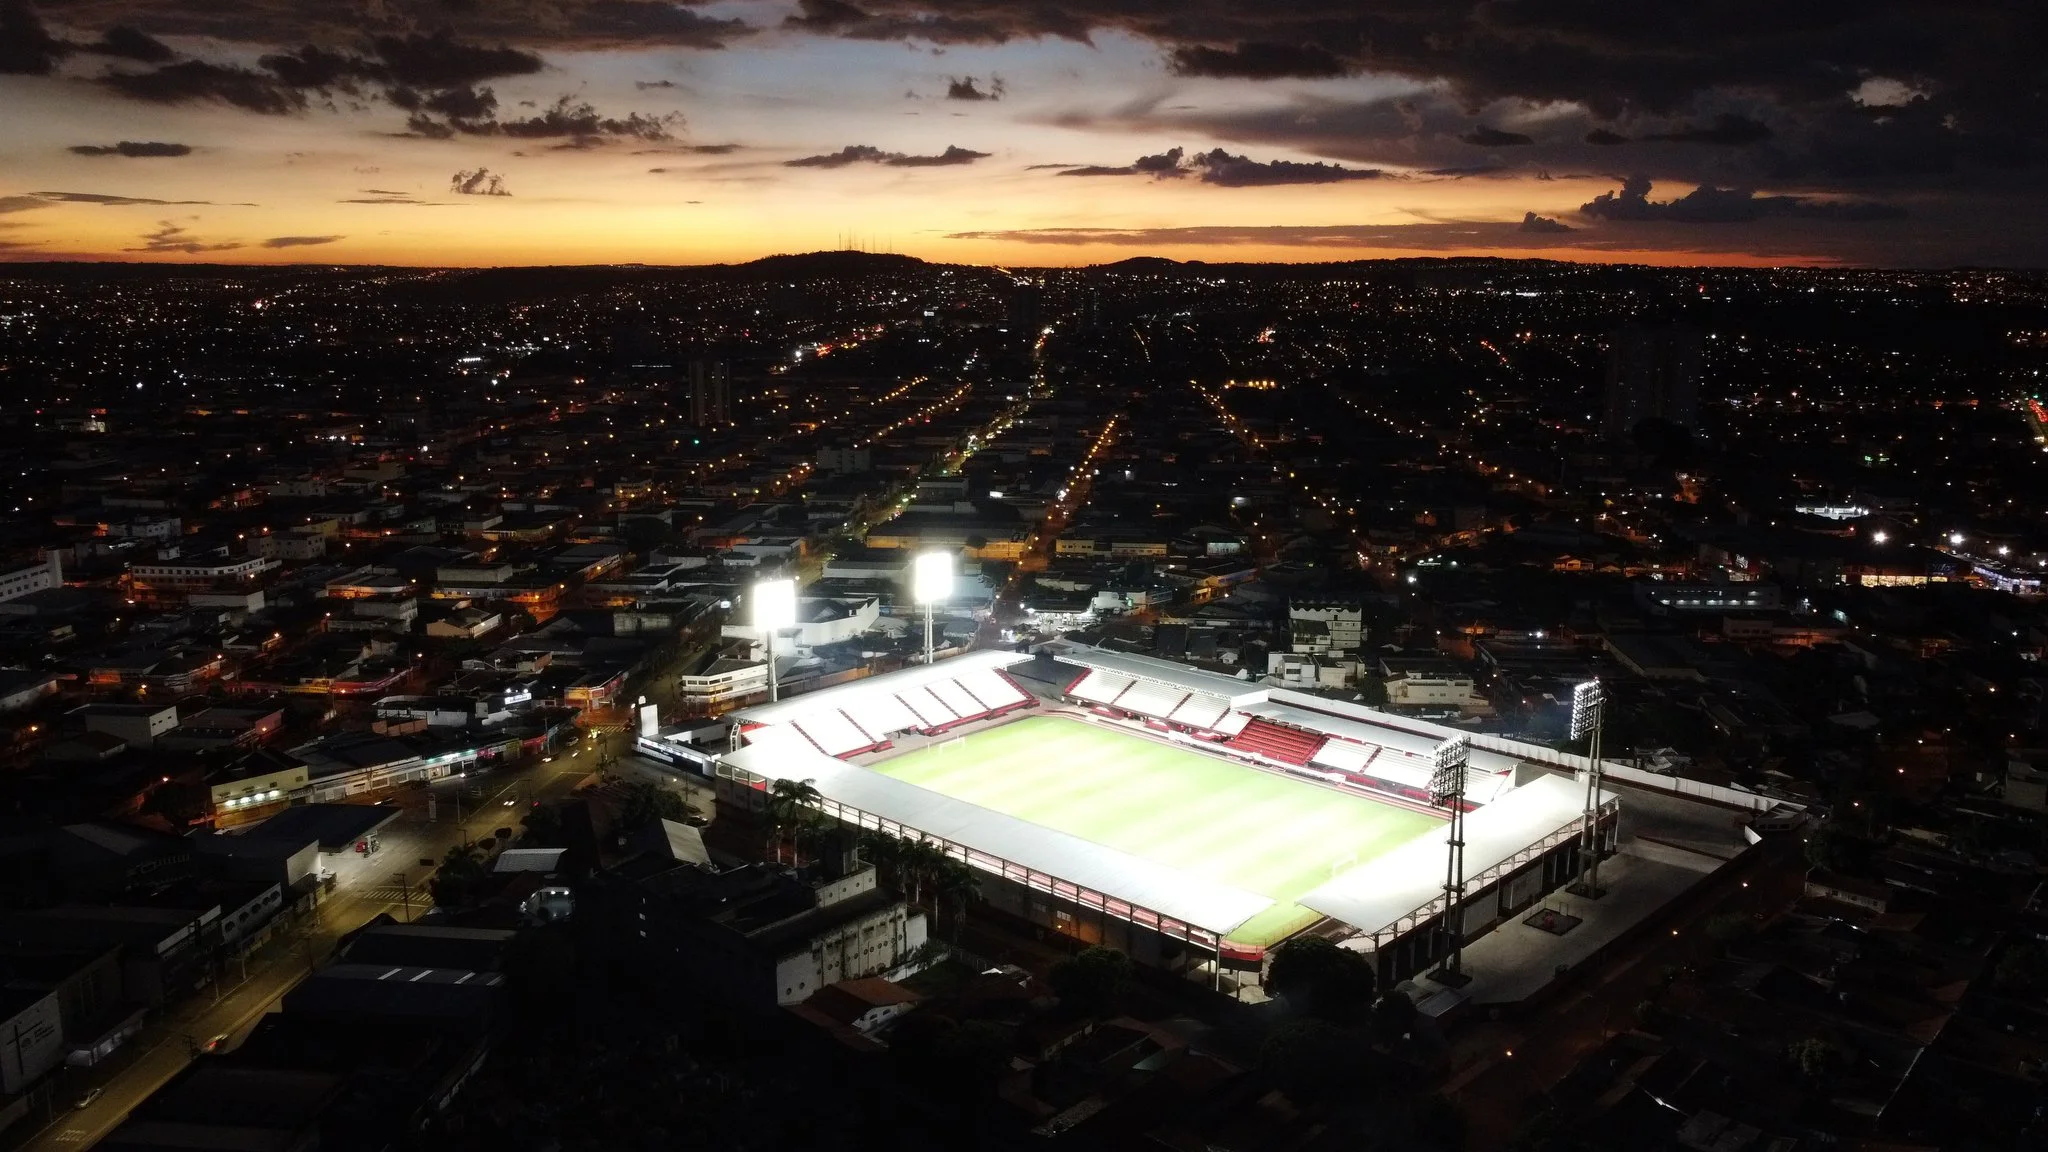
961	882
785	806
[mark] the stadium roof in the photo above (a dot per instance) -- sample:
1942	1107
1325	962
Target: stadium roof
1381	891
1165	672
1357	722
797	707
781	753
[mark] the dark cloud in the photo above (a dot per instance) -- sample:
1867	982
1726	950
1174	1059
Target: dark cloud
1531	222
26	47
593	24
1485	136
569	117
1228	171
1728	129
1165	165
426	127
11	204
382	196
868	154
300	241
441	61
966	88
196	80
1258	60
1707	204
130	44
171	237
478	182
954	154
462	105
1603	138
710	149
134	149
837	18
644	85
122	201
313	67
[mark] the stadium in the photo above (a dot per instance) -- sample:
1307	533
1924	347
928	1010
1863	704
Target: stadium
1190	819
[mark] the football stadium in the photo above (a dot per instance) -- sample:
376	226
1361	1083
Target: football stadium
1191	819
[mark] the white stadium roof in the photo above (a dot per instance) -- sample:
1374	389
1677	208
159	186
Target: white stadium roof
795	707
1380	892
1163	672
780	753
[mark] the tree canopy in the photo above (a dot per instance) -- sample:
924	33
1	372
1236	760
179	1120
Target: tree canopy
1092	981
1316	976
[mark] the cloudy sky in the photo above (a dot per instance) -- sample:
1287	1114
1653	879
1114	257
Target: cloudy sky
1027	132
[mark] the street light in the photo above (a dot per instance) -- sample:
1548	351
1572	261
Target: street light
774	607
1879	536
931	583
1955	538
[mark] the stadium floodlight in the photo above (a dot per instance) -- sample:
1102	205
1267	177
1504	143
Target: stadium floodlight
1447	791
1589	704
774	608
1447	769
1586	701
931	582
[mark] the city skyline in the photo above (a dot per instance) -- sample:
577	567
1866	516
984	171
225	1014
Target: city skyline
618	131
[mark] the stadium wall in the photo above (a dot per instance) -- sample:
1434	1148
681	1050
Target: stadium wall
1042	901
1410	949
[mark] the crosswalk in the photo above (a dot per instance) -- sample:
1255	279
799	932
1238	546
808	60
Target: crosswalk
70	1136
392	894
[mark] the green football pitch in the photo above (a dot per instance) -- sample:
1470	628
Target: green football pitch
1200	814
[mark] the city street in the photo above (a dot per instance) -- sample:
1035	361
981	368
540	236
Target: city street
390	881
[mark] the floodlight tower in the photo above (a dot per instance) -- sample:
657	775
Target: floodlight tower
1589	709
1447	791
774	609
931	584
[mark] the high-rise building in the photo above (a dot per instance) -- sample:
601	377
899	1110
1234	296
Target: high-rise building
1024	310
710	393
1653	373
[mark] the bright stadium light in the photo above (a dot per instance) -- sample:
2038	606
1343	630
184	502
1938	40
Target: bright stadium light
1589	704
1447	791
774	608
931	582
1586	700
1447	769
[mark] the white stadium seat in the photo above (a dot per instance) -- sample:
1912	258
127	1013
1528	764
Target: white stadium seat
1149	699
958	699
1200	710
1101	687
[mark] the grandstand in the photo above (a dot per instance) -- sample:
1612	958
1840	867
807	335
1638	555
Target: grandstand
1192	819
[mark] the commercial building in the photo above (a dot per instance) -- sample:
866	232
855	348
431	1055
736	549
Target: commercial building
41	576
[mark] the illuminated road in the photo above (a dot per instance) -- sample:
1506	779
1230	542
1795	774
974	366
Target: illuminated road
365	887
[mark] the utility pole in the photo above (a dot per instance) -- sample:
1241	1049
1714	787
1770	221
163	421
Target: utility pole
405	895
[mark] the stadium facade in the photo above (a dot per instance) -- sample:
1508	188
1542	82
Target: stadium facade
1524	828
